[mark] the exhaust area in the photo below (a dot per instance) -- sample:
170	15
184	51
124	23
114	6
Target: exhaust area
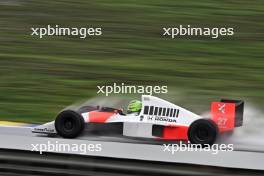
250	134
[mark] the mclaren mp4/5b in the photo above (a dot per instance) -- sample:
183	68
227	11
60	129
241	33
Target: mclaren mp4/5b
157	118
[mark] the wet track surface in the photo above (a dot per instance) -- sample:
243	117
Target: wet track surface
247	141
245	155
243	139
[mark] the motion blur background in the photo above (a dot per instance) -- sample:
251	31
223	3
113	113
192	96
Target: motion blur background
39	77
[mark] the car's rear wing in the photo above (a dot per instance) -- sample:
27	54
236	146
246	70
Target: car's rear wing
239	111
227	114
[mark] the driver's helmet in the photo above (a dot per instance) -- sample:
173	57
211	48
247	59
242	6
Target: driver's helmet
134	106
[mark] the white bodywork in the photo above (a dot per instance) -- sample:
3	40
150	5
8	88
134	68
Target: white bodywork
47	128
140	125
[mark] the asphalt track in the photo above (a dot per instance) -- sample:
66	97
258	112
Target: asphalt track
245	155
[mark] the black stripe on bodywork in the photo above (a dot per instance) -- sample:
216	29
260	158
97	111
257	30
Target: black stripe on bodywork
157	130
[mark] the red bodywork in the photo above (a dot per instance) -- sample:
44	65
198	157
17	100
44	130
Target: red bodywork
175	133
99	117
223	114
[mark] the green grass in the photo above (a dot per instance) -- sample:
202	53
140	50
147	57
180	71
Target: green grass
38	77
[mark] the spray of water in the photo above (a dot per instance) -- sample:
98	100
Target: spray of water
250	135
247	137
113	102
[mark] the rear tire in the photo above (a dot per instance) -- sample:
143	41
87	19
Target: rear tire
69	124
203	131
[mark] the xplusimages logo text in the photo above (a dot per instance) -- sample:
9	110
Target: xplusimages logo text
65	147
131	89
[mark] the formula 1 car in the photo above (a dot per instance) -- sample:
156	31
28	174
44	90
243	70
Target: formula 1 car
158	118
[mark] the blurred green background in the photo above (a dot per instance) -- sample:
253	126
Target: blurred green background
39	77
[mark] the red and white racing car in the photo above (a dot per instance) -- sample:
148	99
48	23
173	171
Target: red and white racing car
158	118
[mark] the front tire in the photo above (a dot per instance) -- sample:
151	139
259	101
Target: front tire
203	131
69	124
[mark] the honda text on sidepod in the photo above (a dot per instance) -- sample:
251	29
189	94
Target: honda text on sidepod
157	118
